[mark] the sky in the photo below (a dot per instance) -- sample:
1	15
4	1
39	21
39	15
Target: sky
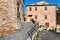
27	2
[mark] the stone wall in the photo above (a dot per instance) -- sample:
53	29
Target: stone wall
21	10
41	12
8	15
50	13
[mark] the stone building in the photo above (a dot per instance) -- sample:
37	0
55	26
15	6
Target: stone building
9	15
58	16
20	12
42	13
20	9
58	19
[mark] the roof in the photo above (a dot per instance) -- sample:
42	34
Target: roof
42	3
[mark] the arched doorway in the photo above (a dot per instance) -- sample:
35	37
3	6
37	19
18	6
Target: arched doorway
47	24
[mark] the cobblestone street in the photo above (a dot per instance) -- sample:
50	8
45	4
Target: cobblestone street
49	36
21	34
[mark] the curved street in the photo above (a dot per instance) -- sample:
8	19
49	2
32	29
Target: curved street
49	36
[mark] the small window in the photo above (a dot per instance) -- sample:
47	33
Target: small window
29	15
45	16
17	9
35	8
45	8
35	16
18	14
30	8
17	3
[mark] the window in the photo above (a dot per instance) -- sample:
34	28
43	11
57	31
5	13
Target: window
17	3
35	16
45	8
45	16
17	9
29	15
18	14
30	8
35	8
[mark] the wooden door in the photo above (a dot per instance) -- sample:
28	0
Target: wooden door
46	24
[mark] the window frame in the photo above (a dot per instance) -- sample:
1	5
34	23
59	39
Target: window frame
30	9
35	8
45	8
35	16
45	16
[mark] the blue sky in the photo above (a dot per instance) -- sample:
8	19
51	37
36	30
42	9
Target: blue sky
27	2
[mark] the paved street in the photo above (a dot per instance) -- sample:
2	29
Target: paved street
49	36
22	33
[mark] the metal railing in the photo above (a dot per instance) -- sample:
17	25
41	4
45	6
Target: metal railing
32	31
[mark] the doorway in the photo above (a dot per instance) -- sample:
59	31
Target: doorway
30	17
47	24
